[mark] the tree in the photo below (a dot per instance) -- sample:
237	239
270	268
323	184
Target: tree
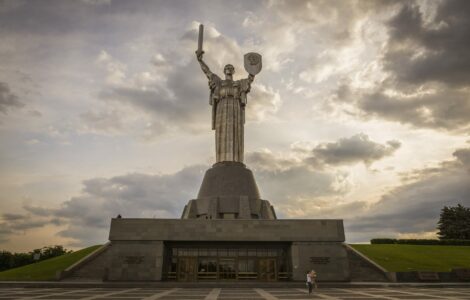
10	260
52	251
454	223
6	260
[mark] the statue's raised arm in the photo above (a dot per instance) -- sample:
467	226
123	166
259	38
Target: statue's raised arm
204	67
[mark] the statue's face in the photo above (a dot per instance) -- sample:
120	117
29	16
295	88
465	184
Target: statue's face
229	70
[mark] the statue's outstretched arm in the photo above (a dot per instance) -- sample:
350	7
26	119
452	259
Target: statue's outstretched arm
251	78
204	67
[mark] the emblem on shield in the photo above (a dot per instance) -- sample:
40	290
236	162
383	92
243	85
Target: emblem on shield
253	63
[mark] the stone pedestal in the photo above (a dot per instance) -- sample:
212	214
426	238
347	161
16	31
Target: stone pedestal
228	191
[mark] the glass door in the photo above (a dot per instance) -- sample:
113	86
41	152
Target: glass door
267	269
247	269
187	269
227	269
207	268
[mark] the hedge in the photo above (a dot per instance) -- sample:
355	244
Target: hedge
420	242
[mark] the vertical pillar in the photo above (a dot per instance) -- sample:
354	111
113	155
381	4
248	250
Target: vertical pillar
244	210
158	260
295	259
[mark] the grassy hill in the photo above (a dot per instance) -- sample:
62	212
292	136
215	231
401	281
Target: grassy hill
46	269
402	258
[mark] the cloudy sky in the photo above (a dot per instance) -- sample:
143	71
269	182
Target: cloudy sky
361	112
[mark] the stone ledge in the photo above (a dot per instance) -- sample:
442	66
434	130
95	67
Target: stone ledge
227	230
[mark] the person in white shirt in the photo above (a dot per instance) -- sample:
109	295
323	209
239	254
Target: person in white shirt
311	276
309	282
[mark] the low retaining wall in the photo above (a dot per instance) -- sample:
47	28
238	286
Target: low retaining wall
456	275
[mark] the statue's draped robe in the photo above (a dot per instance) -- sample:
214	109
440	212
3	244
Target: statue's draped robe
228	100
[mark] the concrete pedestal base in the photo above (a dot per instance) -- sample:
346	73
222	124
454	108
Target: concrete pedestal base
228	191
142	249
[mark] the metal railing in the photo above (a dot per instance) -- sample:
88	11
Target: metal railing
171	275
281	276
207	276
247	275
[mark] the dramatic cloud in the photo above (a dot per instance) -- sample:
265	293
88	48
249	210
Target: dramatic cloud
414	207
294	187
463	155
12	217
440	109
8	100
410	209
346	151
425	61
422	51
11	224
358	148
87	216
299	182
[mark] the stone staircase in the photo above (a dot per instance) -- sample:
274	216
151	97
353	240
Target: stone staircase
362	269
90	268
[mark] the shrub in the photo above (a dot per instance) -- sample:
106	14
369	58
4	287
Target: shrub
448	242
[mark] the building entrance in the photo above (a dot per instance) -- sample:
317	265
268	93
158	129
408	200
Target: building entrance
187	269
267	269
222	262
227	269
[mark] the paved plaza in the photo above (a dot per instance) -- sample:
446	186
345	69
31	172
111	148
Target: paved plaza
232	293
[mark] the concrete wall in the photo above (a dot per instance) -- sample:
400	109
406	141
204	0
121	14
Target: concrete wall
363	269
136	261
329	260
226	230
93	267
137	245
122	260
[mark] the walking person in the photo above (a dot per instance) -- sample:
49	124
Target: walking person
313	277
309	282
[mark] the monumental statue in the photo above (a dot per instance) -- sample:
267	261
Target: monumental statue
228	189
228	99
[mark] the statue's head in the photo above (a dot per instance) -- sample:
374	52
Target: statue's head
229	69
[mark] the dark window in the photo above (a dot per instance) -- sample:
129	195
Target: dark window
246	265
272	252
173	264
242	252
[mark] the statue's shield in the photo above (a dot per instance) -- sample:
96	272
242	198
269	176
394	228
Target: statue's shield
253	63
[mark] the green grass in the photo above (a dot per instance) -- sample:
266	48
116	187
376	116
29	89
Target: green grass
46	269
402	258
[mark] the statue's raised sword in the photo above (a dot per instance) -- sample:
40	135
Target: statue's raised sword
199	41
